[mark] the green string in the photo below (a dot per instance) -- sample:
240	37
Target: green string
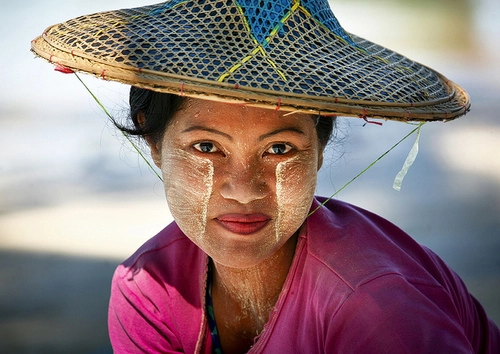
367	168
417	129
124	134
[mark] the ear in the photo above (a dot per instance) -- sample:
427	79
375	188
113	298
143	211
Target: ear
320	159
320	155
154	146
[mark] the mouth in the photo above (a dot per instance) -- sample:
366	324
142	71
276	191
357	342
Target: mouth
243	224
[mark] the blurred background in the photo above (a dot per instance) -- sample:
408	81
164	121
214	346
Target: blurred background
75	199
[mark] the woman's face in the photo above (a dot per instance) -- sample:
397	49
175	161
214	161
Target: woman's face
239	181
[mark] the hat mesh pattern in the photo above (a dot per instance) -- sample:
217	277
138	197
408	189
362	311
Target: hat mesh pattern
320	10
263	16
270	47
315	62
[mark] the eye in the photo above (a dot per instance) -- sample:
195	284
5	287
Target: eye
206	147
279	149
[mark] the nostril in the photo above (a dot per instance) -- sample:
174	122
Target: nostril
244	188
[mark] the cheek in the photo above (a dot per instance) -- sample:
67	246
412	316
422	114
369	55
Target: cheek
295	186
188	185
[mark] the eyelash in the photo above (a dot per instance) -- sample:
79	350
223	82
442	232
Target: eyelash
203	145
199	147
288	148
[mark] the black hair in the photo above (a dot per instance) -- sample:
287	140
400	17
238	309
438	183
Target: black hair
324	128
159	108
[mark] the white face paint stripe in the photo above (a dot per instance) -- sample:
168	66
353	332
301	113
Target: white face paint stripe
196	185
209	183
182	175
280	176
294	194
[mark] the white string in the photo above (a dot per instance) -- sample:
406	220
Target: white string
410	159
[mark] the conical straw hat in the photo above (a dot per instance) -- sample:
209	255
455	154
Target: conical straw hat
283	54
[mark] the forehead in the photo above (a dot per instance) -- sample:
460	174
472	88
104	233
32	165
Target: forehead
235	116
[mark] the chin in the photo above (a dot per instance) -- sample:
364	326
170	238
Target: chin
239	258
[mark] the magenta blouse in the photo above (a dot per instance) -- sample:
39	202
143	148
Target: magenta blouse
357	284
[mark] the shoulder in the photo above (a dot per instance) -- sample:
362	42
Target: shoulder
359	246
384	283
166	251
169	264
390	314
375	262
157	296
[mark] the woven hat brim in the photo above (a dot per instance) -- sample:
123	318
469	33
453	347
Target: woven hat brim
404	90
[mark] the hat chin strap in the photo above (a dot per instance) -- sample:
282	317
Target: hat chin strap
410	157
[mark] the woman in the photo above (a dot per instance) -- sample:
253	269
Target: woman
235	101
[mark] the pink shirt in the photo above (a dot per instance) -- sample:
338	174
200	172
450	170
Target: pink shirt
357	284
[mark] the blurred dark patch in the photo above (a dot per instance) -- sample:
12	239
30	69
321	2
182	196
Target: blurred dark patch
54	304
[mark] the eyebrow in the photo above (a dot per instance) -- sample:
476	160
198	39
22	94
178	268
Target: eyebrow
206	129
281	130
229	137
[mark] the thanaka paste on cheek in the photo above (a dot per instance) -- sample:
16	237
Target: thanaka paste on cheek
295	186
188	186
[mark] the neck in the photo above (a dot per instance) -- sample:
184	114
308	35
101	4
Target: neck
253	292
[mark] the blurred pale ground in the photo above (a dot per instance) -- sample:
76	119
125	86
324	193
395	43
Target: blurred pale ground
75	199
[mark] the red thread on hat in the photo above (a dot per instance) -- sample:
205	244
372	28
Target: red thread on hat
182	89
369	121
236	86
72	53
372	121
279	104
63	69
50	59
102	73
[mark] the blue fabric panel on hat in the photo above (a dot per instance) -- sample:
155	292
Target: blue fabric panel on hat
320	10
264	15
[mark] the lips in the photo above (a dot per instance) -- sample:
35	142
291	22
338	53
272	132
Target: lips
243	224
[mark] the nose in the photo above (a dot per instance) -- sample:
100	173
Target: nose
244	183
